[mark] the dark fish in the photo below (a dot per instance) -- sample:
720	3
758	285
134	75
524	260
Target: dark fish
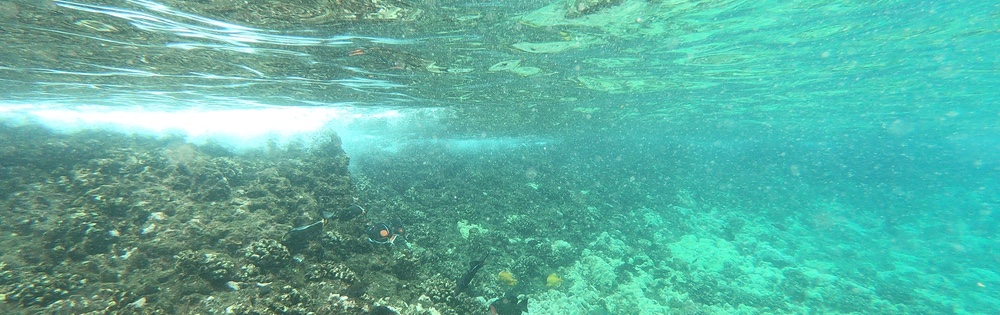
356	290
379	233
383	310
343	214
300	236
509	305
474	266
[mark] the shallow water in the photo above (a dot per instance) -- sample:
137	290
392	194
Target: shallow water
690	157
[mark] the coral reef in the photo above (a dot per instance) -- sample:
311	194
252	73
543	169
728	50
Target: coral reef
213	267
39	290
101	217
267	253
331	271
108	223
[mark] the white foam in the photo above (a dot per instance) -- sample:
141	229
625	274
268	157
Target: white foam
237	128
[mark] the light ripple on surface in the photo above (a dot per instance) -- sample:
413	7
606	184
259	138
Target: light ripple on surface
189	25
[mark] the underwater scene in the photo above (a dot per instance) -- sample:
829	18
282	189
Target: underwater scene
503	157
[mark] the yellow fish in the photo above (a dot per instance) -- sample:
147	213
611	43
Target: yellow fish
507	277
553	280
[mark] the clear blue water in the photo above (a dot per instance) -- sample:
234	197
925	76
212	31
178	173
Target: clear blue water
861	139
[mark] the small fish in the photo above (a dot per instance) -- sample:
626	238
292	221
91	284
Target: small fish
474	266
509	305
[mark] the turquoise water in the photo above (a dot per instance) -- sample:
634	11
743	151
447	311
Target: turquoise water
807	157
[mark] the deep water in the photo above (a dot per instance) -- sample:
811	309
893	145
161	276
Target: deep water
607	157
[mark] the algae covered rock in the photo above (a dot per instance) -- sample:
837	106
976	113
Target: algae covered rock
335	271
40	290
204	178
127	224
78	237
214	267
576	8
267	253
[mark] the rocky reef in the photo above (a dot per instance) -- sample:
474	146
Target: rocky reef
101	222
98	223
